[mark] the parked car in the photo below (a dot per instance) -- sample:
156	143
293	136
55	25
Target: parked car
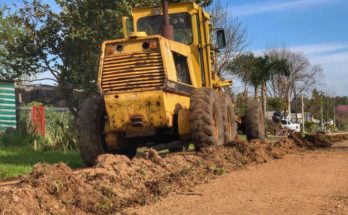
290	125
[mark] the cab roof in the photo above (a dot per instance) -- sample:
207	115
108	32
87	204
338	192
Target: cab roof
190	7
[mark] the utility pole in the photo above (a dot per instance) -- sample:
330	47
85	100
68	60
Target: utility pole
334	114
289	107
295	97
303	116
322	113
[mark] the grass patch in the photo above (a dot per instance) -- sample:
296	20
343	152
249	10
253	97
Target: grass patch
19	160
242	137
269	138
273	139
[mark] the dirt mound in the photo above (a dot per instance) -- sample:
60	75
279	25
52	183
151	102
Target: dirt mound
318	140
117	182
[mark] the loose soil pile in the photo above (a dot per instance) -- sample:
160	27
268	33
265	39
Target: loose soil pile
117	182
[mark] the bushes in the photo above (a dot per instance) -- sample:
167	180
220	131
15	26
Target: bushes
311	127
272	127
17	138
60	131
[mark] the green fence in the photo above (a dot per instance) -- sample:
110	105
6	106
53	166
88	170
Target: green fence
7	106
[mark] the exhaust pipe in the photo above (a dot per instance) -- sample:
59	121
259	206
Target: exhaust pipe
167	29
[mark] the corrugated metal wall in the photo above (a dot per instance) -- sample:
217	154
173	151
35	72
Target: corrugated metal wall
7	106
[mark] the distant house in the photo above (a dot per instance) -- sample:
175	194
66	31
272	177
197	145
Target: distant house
342	117
45	94
307	117
342	109
7	105
13	96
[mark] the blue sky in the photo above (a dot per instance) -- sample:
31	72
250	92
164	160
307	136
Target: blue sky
318	28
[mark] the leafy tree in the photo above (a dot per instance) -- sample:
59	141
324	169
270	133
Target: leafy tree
302	76
204	3
257	71
341	100
243	66
266	68
10	34
276	104
319	104
241	107
67	43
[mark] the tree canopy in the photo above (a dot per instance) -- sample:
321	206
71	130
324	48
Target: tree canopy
36	39
65	43
11	34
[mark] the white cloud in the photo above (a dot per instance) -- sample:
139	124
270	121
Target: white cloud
274	5
333	57
320	49
325	53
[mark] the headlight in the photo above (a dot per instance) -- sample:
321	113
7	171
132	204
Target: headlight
119	48
109	50
153	45
150	44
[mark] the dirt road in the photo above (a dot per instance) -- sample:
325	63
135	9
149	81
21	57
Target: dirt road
314	182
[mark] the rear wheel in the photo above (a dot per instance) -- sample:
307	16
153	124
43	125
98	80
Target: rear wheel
90	123
254	121
91	133
229	118
206	119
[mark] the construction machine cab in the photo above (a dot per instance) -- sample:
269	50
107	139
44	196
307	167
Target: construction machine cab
191	26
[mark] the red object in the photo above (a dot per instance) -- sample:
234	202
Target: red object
38	119
342	108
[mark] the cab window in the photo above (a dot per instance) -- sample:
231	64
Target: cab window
181	21
182	70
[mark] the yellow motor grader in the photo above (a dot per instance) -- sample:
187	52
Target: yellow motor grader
157	85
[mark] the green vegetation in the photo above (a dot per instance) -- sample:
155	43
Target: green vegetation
258	72
65	42
19	160
276	104
60	131
20	149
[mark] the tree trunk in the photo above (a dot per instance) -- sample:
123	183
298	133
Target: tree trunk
246	91
289	108
256	97
264	98
286	108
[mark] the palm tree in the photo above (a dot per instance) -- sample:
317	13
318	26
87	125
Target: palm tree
267	67
243	66
257	71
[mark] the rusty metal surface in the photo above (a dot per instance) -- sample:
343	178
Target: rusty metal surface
128	72
167	29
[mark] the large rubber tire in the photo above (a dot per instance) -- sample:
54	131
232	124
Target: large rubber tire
254	121
90	122
205	119
229	118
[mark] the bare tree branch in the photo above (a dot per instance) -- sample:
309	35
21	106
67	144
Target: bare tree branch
236	36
